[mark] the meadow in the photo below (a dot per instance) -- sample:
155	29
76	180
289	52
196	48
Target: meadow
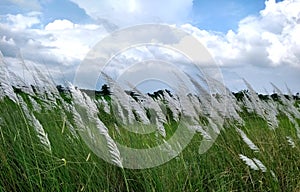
41	148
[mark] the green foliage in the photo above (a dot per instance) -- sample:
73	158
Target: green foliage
26	165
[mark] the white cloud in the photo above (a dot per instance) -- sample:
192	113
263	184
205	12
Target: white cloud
270	39
59	46
72	41
59	25
60	42
20	21
131	12
8	41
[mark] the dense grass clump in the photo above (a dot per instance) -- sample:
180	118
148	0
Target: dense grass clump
67	164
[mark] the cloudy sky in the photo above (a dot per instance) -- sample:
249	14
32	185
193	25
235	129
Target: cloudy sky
253	39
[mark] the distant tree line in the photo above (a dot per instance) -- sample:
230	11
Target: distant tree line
106	91
276	97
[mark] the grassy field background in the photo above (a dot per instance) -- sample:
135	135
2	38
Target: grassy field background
65	163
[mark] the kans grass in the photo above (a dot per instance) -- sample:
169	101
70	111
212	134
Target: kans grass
258	148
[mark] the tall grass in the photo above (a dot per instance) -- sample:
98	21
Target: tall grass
44	132
27	165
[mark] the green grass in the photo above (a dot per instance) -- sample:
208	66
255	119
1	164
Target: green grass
27	165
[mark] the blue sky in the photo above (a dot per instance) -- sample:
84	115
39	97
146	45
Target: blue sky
253	39
220	15
62	9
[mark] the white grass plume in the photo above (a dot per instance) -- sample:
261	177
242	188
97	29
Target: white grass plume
36	106
34	122
17	82
173	104
105	105
290	141
122	98
92	129
157	115
254	99
254	163
6	88
248	141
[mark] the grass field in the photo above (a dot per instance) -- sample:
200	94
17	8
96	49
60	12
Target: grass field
41	150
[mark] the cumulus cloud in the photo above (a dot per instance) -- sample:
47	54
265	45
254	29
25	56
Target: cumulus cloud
60	42
124	13
7	41
72	41
270	39
58	48
22	21
59	25
14	39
